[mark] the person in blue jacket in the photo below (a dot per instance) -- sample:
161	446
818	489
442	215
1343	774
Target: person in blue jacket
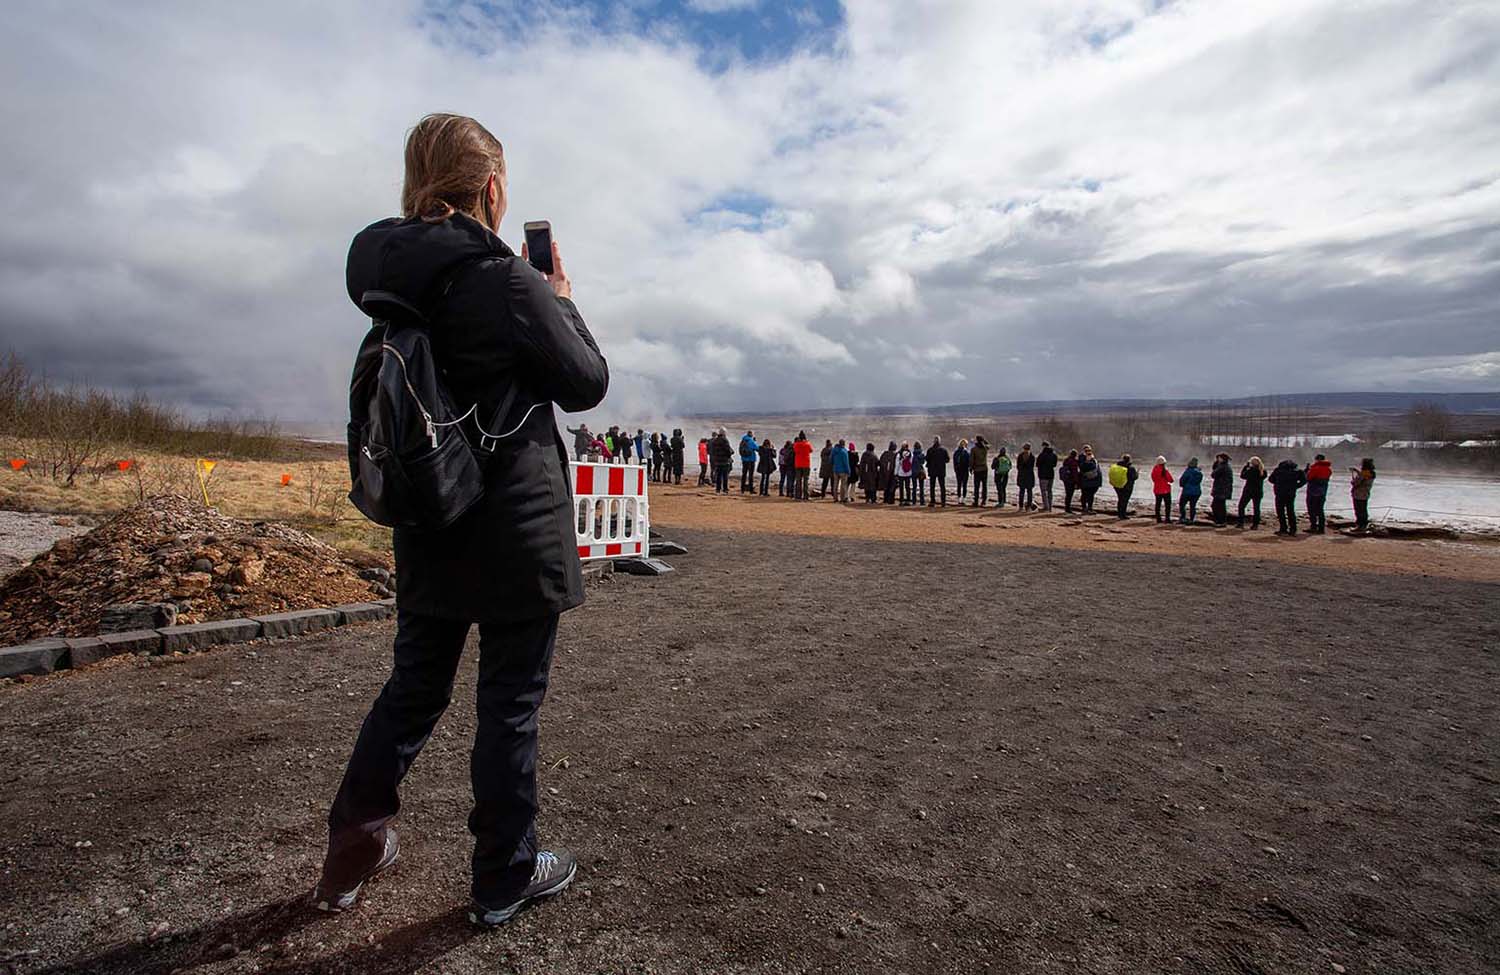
749	453
840	457
1190	489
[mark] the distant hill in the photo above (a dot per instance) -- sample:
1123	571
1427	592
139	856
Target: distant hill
1462	403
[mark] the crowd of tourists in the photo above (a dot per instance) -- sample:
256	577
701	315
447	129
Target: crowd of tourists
909	474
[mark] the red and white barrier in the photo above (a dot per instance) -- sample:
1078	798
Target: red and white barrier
612	514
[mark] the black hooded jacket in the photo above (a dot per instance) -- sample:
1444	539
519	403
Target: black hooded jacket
494	323
1046	463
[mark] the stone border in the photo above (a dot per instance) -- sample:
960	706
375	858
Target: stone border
45	656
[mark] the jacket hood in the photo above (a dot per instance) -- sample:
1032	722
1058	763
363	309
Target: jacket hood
407	259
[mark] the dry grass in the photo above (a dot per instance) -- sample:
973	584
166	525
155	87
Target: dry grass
316	499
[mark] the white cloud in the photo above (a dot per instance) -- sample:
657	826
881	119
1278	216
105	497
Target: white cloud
721	6
1098	197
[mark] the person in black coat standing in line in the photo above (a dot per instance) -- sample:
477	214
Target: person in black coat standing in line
888	474
1286	480
721	460
1254	476
767	465
937	469
1069	477
961	469
1026	479
501	333
679	445
1046	467
869	473
1222	475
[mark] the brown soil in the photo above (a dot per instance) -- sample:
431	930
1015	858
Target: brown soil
148	553
992	760
1410	554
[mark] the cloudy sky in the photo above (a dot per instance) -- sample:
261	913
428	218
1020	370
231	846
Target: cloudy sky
778	205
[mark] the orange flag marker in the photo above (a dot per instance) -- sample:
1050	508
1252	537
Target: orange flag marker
16	463
286	479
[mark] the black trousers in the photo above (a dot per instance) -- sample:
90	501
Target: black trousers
1361	513
1025	497
919	485
1086	501
702	474
721	479
1068	489
963	482
765	483
747	478
1220	509
1001	480
981	487
514	659
1315	520
1187	508
1255	503
1122	499
1286	514
938	487
1164	508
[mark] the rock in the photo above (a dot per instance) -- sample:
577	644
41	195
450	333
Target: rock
296	622
36	658
1337	967
375	574
921	814
361	613
819	889
248	572
820	796
1271	850
195	636
192	583
203	565
131	617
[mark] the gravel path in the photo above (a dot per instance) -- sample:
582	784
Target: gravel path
818	755
24	535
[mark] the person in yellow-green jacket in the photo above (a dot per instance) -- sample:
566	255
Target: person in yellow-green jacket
1122	475
1002	465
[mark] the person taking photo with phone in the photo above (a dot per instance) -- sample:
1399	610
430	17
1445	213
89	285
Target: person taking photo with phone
510	339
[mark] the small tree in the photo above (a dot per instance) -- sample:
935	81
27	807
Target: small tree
1429	421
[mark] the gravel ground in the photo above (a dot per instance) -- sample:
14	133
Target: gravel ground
820	755
24	535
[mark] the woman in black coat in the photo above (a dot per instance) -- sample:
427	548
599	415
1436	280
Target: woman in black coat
767	465
1254	476
869	473
497	327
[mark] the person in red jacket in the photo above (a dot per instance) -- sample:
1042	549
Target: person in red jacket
1161	486
702	461
802	450
1319	473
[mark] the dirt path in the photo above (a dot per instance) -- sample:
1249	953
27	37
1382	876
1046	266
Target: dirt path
992	760
692	507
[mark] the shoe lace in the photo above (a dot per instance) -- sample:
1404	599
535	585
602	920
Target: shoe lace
546	861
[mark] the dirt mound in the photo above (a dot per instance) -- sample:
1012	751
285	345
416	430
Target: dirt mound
172	550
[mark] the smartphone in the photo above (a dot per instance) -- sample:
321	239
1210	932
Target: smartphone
539	245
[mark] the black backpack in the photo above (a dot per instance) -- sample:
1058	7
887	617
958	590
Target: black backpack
409	461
